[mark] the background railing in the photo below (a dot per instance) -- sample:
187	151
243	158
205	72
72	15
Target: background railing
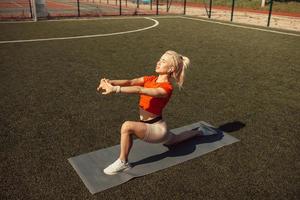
258	12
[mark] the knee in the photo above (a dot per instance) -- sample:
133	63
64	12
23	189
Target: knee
126	127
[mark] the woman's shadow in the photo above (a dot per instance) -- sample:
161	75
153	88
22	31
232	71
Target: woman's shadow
189	146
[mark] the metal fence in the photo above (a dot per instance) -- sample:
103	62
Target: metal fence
21	9
25	9
229	10
275	13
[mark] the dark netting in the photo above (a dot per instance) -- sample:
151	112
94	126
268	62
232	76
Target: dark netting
221	9
250	12
15	9
113	7
197	8
142	7
100	7
172	6
254	12
86	8
62	8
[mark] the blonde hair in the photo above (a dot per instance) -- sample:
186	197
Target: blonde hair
180	64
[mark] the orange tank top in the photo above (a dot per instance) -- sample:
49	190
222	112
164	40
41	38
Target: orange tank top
153	104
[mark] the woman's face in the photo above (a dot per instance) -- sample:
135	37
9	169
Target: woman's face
164	65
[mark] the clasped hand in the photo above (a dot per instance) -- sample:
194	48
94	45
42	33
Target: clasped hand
105	85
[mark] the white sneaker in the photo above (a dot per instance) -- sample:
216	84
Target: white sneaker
116	167
208	130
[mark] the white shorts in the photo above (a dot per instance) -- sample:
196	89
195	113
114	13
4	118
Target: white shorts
157	132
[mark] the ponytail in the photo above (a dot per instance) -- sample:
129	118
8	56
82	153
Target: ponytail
180	64
180	73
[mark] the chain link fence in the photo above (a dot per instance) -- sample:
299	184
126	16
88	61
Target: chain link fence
274	13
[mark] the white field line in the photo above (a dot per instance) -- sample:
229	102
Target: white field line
156	23
241	26
84	19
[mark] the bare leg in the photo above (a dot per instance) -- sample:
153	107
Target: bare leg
129	128
175	139
126	144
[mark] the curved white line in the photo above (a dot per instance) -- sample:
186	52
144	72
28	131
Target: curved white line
84	36
87	19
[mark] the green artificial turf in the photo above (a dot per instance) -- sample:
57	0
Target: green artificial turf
50	109
75	28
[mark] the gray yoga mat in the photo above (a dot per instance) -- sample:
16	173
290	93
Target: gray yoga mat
144	157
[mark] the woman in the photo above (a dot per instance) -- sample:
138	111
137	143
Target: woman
155	92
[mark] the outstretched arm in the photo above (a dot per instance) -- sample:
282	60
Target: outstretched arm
136	81
109	88
154	92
